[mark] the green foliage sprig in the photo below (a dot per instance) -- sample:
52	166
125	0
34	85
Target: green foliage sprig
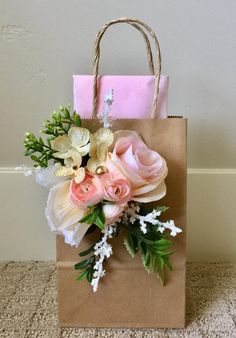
86	266
61	122
153	246
41	150
44	151
95	216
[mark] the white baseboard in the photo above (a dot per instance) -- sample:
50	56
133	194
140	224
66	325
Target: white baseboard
24	234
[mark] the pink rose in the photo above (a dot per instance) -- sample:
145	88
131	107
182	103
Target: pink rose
112	212
88	192
116	188
144	168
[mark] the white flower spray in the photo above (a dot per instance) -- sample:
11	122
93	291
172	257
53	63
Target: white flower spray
102	250
131	215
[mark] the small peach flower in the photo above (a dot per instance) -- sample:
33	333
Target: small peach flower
88	192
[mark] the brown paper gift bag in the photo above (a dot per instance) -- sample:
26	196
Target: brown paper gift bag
128	296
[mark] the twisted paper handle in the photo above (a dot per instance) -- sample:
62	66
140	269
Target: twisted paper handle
157	71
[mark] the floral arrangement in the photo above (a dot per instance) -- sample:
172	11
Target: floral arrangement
103	180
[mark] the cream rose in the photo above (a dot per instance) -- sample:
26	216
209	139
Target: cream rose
63	215
144	168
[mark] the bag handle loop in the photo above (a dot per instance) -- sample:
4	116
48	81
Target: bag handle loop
148	48
157	71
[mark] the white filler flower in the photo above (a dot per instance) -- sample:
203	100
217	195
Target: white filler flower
102	250
131	214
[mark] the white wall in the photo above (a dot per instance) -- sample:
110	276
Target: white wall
42	43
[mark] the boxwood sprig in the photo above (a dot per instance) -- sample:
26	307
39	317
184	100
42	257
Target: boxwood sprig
61	121
40	150
86	266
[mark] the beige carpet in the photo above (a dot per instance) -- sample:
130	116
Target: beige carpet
28	304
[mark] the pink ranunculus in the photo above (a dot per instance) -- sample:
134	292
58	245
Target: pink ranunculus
88	192
144	168
116	188
112	212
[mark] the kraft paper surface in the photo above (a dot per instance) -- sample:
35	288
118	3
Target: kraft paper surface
127	295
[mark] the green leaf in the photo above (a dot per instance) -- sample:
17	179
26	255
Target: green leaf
131	244
152	261
152	235
162	244
163	241
89	218
76	119
90	275
29	152
164	254
147	258
83	264
99	223
34	158
86	252
67	113
51	138
161	209
41	140
156	267
82	275
99	217
168	264
143	249
161	260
